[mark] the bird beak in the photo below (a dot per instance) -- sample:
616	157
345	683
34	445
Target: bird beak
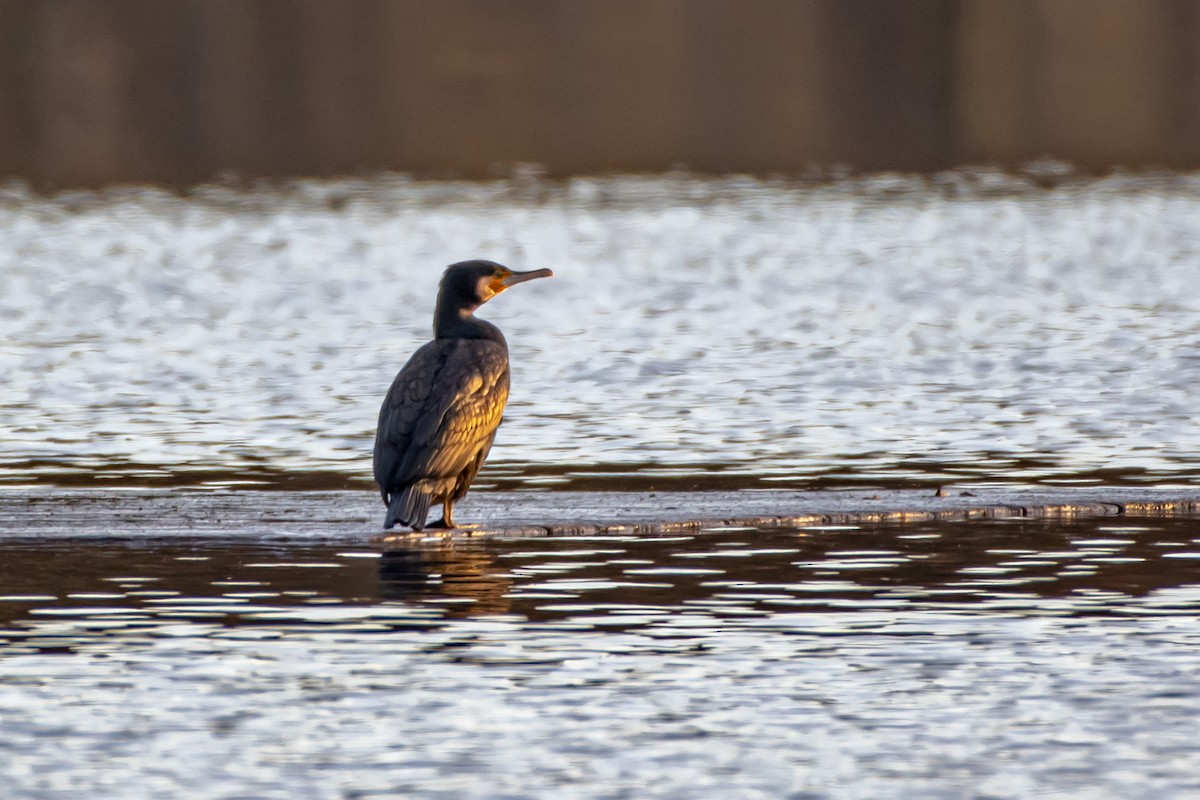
520	277
499	284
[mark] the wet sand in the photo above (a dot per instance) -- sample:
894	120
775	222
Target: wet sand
355	516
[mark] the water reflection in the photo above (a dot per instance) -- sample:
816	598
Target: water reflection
452	576
70	594
722	332
1014	659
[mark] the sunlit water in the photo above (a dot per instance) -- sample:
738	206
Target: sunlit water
889	331
1019	659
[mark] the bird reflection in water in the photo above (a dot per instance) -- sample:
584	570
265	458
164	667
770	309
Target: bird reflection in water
446	572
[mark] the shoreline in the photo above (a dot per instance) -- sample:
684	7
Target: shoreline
53	513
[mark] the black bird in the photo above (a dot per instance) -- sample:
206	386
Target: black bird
440	416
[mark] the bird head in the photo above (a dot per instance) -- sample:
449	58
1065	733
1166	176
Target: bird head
473	283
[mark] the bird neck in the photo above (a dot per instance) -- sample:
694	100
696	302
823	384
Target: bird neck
461	323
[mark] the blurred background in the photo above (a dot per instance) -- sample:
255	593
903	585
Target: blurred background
100	91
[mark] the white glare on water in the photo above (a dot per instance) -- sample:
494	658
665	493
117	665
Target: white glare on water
883	329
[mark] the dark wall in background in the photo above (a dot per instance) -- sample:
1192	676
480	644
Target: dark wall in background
177	91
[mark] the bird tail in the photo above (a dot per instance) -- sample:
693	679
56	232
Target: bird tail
409	506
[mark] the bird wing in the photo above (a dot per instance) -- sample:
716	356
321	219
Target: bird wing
442	408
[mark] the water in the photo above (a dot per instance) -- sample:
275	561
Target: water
970	328
989	659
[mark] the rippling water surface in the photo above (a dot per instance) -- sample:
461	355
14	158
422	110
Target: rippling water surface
885	331
1016	659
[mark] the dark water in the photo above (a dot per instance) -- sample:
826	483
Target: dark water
969	328
991	659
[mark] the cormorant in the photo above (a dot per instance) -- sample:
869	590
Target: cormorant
439	418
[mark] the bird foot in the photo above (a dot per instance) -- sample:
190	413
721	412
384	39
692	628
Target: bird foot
442	525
